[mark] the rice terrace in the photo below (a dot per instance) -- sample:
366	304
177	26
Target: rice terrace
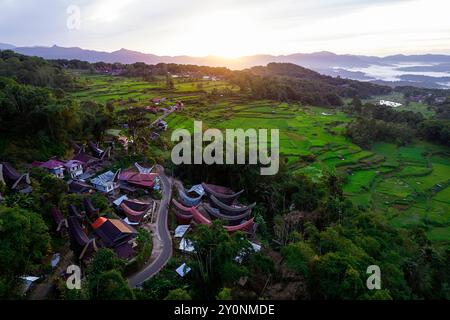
408	185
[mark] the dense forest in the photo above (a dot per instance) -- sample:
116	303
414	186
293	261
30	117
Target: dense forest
377	123
36	119
287	81
326	242
33	71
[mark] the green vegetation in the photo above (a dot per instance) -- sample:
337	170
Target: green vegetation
105	279
24	240
396	181
214	264
34	71
35	122
358	184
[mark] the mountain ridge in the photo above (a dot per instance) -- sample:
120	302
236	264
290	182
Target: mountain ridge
124	55
356	67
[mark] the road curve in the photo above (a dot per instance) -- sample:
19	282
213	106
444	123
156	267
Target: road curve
149	270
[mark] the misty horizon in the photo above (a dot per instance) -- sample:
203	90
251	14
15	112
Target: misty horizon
324	51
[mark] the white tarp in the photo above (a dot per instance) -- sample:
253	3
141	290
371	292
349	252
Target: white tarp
389	103
183	270
256	248
27	282
181	230
186	245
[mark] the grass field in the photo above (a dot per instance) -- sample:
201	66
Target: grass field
409	185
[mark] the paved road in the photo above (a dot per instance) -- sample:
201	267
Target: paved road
162	232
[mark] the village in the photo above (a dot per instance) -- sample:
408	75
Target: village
138	197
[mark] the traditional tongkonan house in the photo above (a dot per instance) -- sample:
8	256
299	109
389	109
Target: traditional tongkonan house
77	148
99	153
92	212
117	235
135	210
14	180
234	216
223	194
74	212
187	200
232	220
86	160
59	219
80	242
79	187
182	213
229	210
53	166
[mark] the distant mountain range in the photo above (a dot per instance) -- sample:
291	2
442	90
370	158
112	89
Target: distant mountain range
428	70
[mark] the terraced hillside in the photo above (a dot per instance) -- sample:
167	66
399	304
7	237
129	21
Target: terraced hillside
410	185
103	88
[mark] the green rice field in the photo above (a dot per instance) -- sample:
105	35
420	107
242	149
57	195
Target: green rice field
410	185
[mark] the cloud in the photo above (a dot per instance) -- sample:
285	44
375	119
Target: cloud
232	27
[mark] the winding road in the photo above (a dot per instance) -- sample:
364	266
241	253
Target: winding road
162	232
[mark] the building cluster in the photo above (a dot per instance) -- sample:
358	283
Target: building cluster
222	203
113	70
127	190
130	205
14	180
204	203
82	163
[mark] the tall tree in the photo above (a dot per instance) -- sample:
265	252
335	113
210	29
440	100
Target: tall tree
215	258
24	240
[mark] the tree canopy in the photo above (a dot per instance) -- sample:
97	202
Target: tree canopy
24	240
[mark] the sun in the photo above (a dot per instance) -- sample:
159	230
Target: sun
227	35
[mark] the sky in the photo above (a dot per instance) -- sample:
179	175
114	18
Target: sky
231	28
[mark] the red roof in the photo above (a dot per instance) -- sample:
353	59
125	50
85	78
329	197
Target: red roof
140	179
98	223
